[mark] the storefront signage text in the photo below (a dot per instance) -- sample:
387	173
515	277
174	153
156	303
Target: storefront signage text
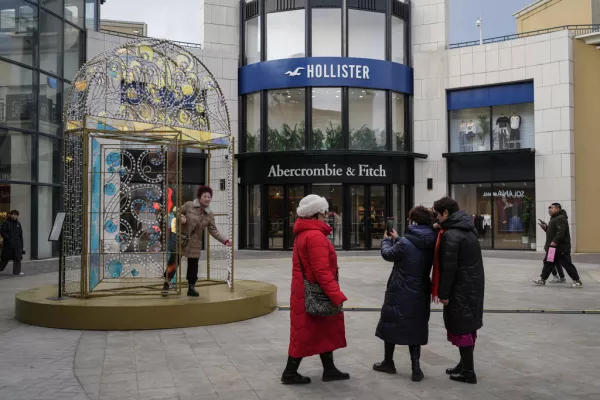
360	170
343	71
516	194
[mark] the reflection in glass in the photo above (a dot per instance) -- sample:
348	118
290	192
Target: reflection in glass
398	118
253	40
18	31
286	120
275	217
253	122
90	14
377	217
358	217
513	127
327	118
367	119
51	34
398	39
366	34
17	197
48	203
253	229
326	32
334	196
74	12
399	209
53	5
470	130
73	51
17	97
295	194
285	35
50	105
16	151
514	216
476	200
49	160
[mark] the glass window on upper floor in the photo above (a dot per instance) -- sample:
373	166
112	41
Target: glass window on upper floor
285	35
286	113
253	122
18	105
513	127
51	35
74	51
398	119
18	31
55	6
327	118
252	50
367	119
74	12
326	32
398	41
90	14
366	34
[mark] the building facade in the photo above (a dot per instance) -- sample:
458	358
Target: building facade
42	46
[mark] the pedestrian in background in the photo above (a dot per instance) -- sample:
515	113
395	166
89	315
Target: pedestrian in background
557	272
461	283
405	312
315	260
12	245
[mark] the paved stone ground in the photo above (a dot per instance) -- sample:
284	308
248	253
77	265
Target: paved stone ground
519	356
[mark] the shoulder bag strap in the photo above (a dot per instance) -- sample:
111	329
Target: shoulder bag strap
299	258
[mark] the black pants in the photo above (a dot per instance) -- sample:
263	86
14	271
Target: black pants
563	259
192	270
558	270
16	266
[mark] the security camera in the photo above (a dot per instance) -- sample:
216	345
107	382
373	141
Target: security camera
478	23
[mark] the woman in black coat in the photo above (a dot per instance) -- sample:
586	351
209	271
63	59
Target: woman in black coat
405	312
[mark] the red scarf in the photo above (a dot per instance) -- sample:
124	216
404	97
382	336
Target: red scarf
435	275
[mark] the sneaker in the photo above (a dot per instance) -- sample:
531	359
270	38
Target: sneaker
557	279
20	274
575	285
539	282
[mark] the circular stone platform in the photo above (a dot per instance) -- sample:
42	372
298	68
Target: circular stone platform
216	305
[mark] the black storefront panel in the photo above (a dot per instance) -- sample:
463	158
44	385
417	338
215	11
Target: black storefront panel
500	166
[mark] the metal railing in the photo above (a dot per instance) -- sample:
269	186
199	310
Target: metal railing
133	36
577	29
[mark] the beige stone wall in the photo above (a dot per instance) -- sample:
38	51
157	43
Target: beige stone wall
550	14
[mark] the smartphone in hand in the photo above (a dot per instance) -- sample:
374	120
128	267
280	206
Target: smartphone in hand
389	226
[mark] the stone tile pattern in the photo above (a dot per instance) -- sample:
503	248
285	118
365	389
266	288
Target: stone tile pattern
429	36
548	61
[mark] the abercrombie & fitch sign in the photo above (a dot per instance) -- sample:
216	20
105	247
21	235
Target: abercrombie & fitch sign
360	170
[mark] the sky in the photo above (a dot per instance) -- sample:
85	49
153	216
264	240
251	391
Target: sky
179	19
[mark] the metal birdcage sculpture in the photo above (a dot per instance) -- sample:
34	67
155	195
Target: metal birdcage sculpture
130	113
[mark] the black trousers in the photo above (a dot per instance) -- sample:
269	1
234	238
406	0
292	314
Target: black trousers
558	270
192	271
16	266
563	259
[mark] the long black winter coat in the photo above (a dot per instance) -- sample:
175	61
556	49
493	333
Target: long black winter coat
12	246
405	312
558	232
462	279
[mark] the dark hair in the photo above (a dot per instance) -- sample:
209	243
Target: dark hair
15	212
421	215
557	205
203	189
446	203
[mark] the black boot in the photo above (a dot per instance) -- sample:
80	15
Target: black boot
165	290
290	373
192	291
467	375
387	365
330	372
415	357
455	370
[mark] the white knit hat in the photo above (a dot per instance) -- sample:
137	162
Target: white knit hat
311	205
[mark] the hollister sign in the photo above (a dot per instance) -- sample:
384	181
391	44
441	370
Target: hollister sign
326	170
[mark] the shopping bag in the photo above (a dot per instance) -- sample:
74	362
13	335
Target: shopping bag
551	254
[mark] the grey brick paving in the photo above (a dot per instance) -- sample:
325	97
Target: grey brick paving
518	356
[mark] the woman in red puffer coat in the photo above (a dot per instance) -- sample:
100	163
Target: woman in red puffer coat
310	334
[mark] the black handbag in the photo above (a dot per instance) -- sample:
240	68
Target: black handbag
316	302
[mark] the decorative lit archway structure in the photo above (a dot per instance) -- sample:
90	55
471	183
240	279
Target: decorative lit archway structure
130	114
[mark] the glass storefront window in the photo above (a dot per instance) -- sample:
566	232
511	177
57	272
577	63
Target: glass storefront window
358	221
74	12
16	151
275	217
74	54
253	229
49	160
18	107
513	127
470	130
17	197
327	118
366	34
334	195
286	109
367	119
55	6
51	34
326	32
48	203
50	105
377	216
514	215
398	41
253	122
474	200
285	35
252	49
398	196
90	14
398	118
18	31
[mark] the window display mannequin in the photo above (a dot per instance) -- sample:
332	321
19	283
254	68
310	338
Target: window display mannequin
503	124
471	129
515	134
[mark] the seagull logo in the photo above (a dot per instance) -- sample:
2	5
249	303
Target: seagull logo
296	72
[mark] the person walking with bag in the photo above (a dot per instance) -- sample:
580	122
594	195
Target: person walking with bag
460	283
405	313
12	245
316	316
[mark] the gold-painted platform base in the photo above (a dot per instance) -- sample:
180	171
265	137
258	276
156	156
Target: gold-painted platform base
216	305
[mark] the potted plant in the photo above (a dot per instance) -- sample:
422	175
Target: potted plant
483	131
527	219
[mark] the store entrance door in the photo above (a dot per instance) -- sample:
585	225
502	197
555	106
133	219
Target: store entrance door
282	203
368	211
